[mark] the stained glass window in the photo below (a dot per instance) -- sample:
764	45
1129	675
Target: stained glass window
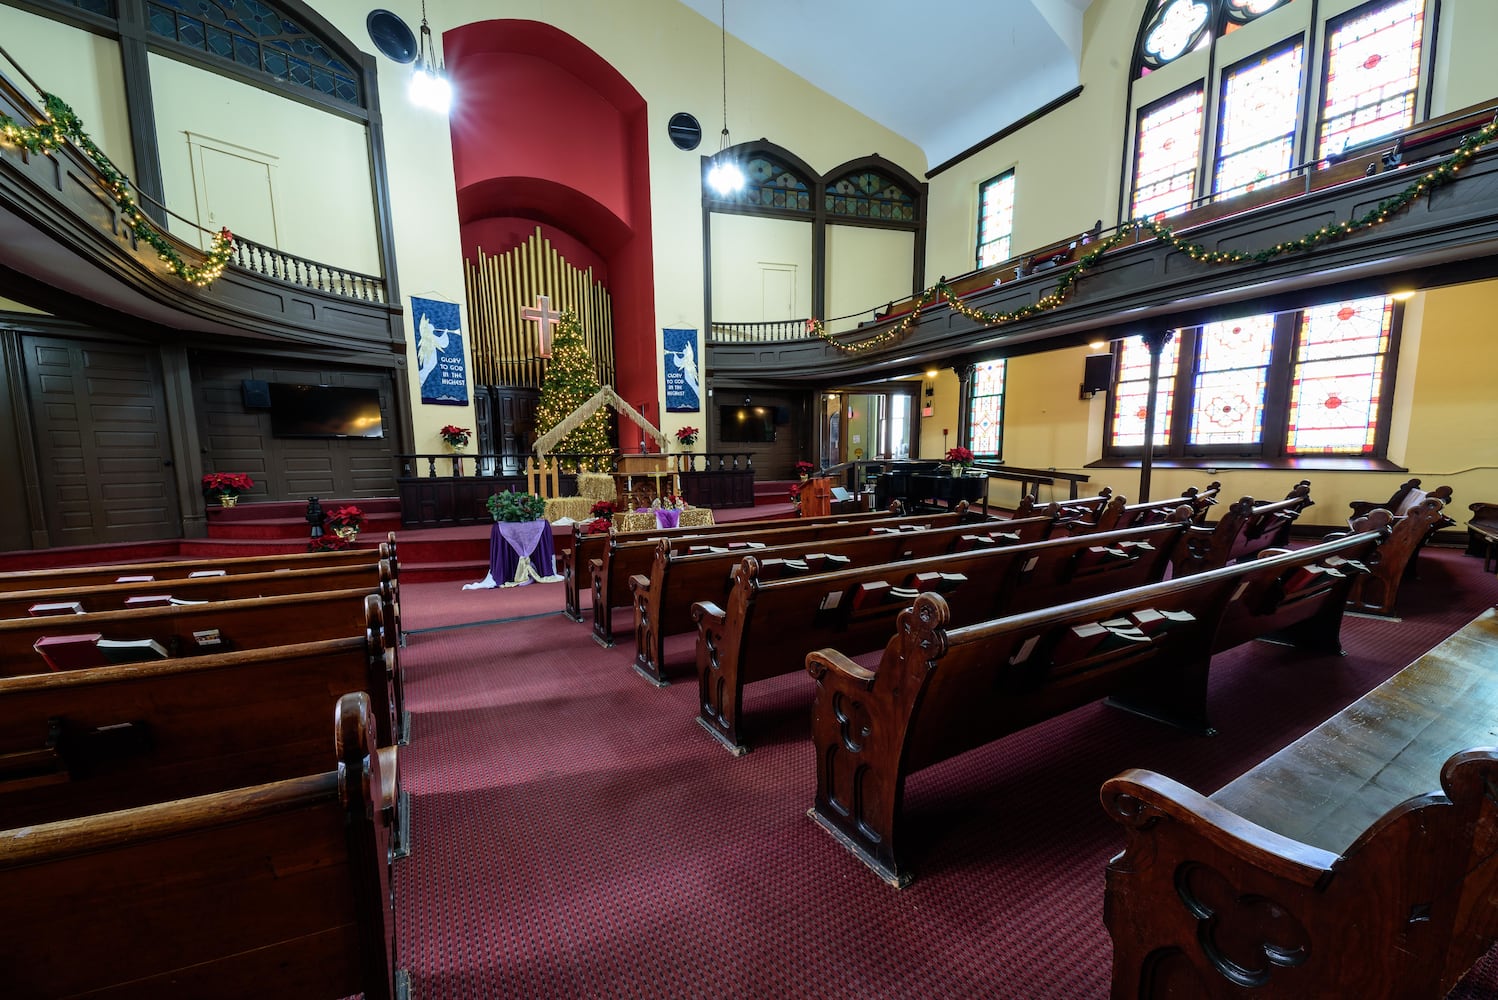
1232	369
1166	148
986	436
1243	11
771	184
1176	27
995	219
1260	107
1131	393
254	36
868	195
1341	350
1372	73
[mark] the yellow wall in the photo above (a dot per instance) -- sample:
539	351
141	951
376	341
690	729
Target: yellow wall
865	269
744	246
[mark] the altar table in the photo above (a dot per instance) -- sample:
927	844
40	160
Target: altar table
520	553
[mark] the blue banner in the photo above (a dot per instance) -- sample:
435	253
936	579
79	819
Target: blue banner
441	367
683	383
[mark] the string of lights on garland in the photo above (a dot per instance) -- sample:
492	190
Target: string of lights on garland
62	125
1434	177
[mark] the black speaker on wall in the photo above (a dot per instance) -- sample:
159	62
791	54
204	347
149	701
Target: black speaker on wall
1097	374
256	394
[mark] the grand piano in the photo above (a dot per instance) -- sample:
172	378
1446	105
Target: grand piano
927	485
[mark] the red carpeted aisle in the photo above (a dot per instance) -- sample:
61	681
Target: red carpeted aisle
576	834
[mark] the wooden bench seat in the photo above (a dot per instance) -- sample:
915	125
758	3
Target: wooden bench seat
622	560
941	691
677	580
281	888
180	569
1359	861
574	562
1245	529
1121	514
1076	508
113	596
108	738
768	627
1395	560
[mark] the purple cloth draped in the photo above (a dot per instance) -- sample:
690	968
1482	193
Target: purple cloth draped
510	540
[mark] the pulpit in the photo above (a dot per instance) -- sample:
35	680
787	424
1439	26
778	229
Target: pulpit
816	497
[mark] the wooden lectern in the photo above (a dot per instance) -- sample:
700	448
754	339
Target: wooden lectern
816	497
642	478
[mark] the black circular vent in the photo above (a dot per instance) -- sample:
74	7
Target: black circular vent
391	35
684	131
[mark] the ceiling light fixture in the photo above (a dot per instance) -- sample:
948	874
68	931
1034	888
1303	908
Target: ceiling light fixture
1402	295
429	85
724	175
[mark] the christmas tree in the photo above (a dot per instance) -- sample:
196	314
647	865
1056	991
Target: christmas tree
571	382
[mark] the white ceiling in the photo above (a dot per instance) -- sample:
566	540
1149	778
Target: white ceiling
944	74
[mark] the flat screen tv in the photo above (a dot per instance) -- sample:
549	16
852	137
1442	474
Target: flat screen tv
746	424
324	411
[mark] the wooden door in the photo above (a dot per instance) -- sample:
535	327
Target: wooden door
103	447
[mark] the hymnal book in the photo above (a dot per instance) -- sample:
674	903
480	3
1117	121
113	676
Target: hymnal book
70	652
178	602
939	582
149	601
131	650
135	579
903	593
870	595
841	493
207	637
55	608
206	572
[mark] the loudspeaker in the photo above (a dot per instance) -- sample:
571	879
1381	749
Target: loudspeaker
1097	374
256	394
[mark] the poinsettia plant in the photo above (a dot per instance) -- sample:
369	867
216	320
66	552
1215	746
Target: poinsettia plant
346	517
959	456
687	435
803	469
605	509
328	542
455	436
228	484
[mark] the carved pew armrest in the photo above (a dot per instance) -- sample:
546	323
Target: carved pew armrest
710	619
833	669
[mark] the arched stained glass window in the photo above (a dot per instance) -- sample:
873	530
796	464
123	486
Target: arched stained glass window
1176	27
1243	11
256	37
770	183
869	195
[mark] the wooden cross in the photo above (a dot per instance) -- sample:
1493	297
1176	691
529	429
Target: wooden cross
542	315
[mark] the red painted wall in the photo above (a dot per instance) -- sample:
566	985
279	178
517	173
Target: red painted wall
544	129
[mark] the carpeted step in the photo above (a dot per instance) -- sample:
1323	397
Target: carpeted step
282	528
296	510
770	491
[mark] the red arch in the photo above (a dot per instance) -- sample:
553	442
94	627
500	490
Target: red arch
544	129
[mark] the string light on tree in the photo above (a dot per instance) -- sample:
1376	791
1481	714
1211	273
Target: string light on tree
570	382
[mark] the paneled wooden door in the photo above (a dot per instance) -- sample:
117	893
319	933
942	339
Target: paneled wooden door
103	447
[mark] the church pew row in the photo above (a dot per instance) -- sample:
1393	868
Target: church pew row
125	735
767	627
114	596
940	691
622	560
181	569
1375	593
282	887
1119	513
1077	508
663	600
1358	861
1244	530
574	562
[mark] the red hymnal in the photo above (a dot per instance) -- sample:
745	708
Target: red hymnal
71	652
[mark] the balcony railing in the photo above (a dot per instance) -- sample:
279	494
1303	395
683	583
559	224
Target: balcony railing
269	262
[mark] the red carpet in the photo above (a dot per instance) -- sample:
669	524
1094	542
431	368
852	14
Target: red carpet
577	835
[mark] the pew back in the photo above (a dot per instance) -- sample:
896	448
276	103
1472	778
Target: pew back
181	569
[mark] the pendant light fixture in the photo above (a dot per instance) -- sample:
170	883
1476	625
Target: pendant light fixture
429	85
724	176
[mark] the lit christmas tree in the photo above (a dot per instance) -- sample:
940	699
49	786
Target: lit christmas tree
571	382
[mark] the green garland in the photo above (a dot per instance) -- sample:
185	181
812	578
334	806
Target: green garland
62	124
1438	175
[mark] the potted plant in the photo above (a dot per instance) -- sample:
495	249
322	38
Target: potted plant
687	436
516	506
345	522
795	492
604	510
228	486
455	437
960	458
804	469
328	542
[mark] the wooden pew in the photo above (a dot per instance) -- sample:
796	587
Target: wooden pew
1394	562
1337	867
677	580
575	562
770	626
1119	513
113	596
1244	530
281	887
940	691
116	737
1083	508
181	569
622	560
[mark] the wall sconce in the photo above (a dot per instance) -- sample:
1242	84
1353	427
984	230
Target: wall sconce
928	408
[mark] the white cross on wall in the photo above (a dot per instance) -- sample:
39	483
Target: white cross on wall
541	314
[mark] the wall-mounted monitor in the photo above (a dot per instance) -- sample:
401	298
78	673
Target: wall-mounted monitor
746	424
325	411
